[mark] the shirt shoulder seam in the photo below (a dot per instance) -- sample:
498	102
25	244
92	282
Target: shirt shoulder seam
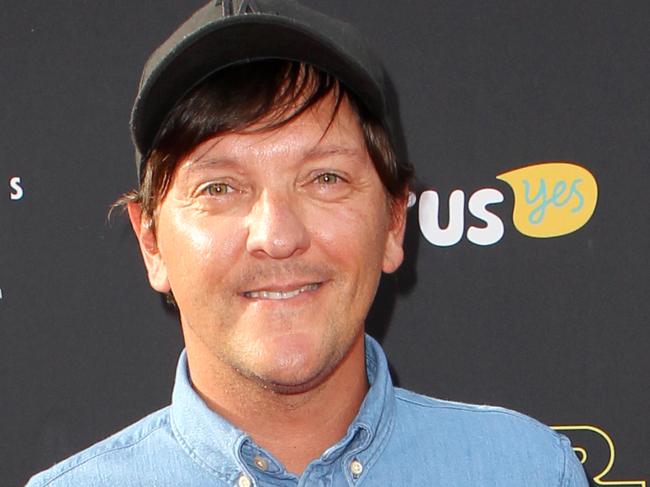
161	423
432	403
565	463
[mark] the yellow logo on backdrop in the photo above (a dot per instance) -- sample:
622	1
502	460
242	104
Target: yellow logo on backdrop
551	198
583	454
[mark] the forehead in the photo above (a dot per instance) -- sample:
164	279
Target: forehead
326	129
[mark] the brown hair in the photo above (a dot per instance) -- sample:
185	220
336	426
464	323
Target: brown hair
232	100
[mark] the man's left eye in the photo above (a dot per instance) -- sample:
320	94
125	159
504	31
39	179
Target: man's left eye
218	189
327	178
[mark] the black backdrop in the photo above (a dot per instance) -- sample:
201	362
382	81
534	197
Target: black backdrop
554	327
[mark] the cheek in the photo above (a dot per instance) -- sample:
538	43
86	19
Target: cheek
197	246
353	234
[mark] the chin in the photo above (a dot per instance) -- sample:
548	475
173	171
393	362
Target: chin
294	366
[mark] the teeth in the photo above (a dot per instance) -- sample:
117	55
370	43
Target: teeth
280	294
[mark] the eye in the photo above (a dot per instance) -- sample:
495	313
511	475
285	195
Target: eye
218	189
327	178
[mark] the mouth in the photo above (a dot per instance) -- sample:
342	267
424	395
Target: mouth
277	295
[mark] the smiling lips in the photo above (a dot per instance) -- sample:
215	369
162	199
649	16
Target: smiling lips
278	295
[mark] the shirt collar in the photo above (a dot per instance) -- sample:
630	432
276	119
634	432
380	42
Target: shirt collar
227	451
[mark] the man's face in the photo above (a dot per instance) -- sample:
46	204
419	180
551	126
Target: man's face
273	244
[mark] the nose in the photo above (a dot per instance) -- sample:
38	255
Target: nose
275	228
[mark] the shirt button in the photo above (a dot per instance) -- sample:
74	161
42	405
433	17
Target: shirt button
261	463
244	481
356	468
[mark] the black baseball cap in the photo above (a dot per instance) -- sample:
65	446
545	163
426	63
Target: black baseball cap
228	32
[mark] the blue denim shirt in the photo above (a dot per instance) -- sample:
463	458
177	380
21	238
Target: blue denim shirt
398	438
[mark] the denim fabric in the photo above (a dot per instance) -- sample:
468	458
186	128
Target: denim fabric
399	438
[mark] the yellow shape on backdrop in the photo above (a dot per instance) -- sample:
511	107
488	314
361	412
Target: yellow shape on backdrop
582	454
551	198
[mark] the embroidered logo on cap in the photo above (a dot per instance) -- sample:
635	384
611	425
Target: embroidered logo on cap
238	7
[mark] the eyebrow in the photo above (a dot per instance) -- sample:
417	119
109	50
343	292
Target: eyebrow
207	161
319	152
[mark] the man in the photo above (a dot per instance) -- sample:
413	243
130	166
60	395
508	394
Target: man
271	199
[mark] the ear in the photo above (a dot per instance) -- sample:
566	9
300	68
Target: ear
146	235
394	250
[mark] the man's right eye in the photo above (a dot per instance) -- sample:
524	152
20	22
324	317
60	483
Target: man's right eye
328	178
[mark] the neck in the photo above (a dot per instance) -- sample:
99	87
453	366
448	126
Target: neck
295	428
